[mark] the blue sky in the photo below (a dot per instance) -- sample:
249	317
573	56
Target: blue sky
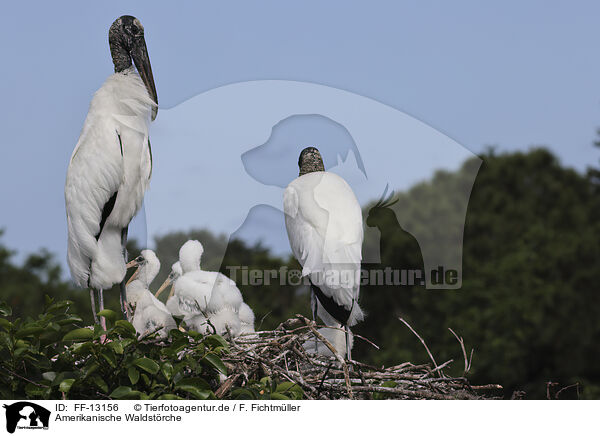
512	74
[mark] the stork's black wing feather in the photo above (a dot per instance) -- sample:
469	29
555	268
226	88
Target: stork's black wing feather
340	313
106	210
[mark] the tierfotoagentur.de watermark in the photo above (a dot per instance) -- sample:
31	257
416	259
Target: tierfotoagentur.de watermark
347	277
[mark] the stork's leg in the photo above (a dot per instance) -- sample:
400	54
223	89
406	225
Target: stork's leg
348	355
123	286
101	307
313	300
93	300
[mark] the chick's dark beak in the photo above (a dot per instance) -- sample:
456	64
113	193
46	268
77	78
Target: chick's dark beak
139	53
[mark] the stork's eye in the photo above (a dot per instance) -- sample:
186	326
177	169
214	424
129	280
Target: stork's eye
139	259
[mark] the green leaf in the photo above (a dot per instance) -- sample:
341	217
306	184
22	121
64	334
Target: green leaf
100	383
214	361
278	396
125	392
125	327
5	324
82	348
167	370
65	385
285	386
216	341
242	394
109	357
111	315
59	305
69	320
5	309
198	382
50	376
134	375
199	394
116	346
147	365
28	331
82	334
169	397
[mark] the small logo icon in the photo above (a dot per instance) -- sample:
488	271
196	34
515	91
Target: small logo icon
26	415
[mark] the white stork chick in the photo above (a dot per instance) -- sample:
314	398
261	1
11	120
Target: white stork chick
175	273
192	291
149	313
246	315
225	294
111	164
324	224
225	321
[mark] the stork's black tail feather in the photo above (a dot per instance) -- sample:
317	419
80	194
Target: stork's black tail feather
340	313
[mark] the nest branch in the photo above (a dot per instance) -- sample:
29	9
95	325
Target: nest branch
281	354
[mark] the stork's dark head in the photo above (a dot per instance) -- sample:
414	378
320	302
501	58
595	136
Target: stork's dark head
126	40
310	161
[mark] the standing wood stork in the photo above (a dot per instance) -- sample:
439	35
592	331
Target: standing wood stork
111	165
324	225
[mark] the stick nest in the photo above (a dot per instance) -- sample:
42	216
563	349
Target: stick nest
280	355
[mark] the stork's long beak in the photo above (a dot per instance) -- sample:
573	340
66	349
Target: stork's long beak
132	263
133	276
164	286
139	53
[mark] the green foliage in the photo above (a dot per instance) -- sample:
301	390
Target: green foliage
51	357
268	389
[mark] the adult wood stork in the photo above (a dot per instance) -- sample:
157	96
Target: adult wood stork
149	313
324	225
111	165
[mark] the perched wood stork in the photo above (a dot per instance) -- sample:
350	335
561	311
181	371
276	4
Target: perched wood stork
149	313
111	165
324	224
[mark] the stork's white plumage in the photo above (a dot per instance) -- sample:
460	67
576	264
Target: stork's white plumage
149	313
192	291
324	224
208	300
335	337
225	294
111	165
246	315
